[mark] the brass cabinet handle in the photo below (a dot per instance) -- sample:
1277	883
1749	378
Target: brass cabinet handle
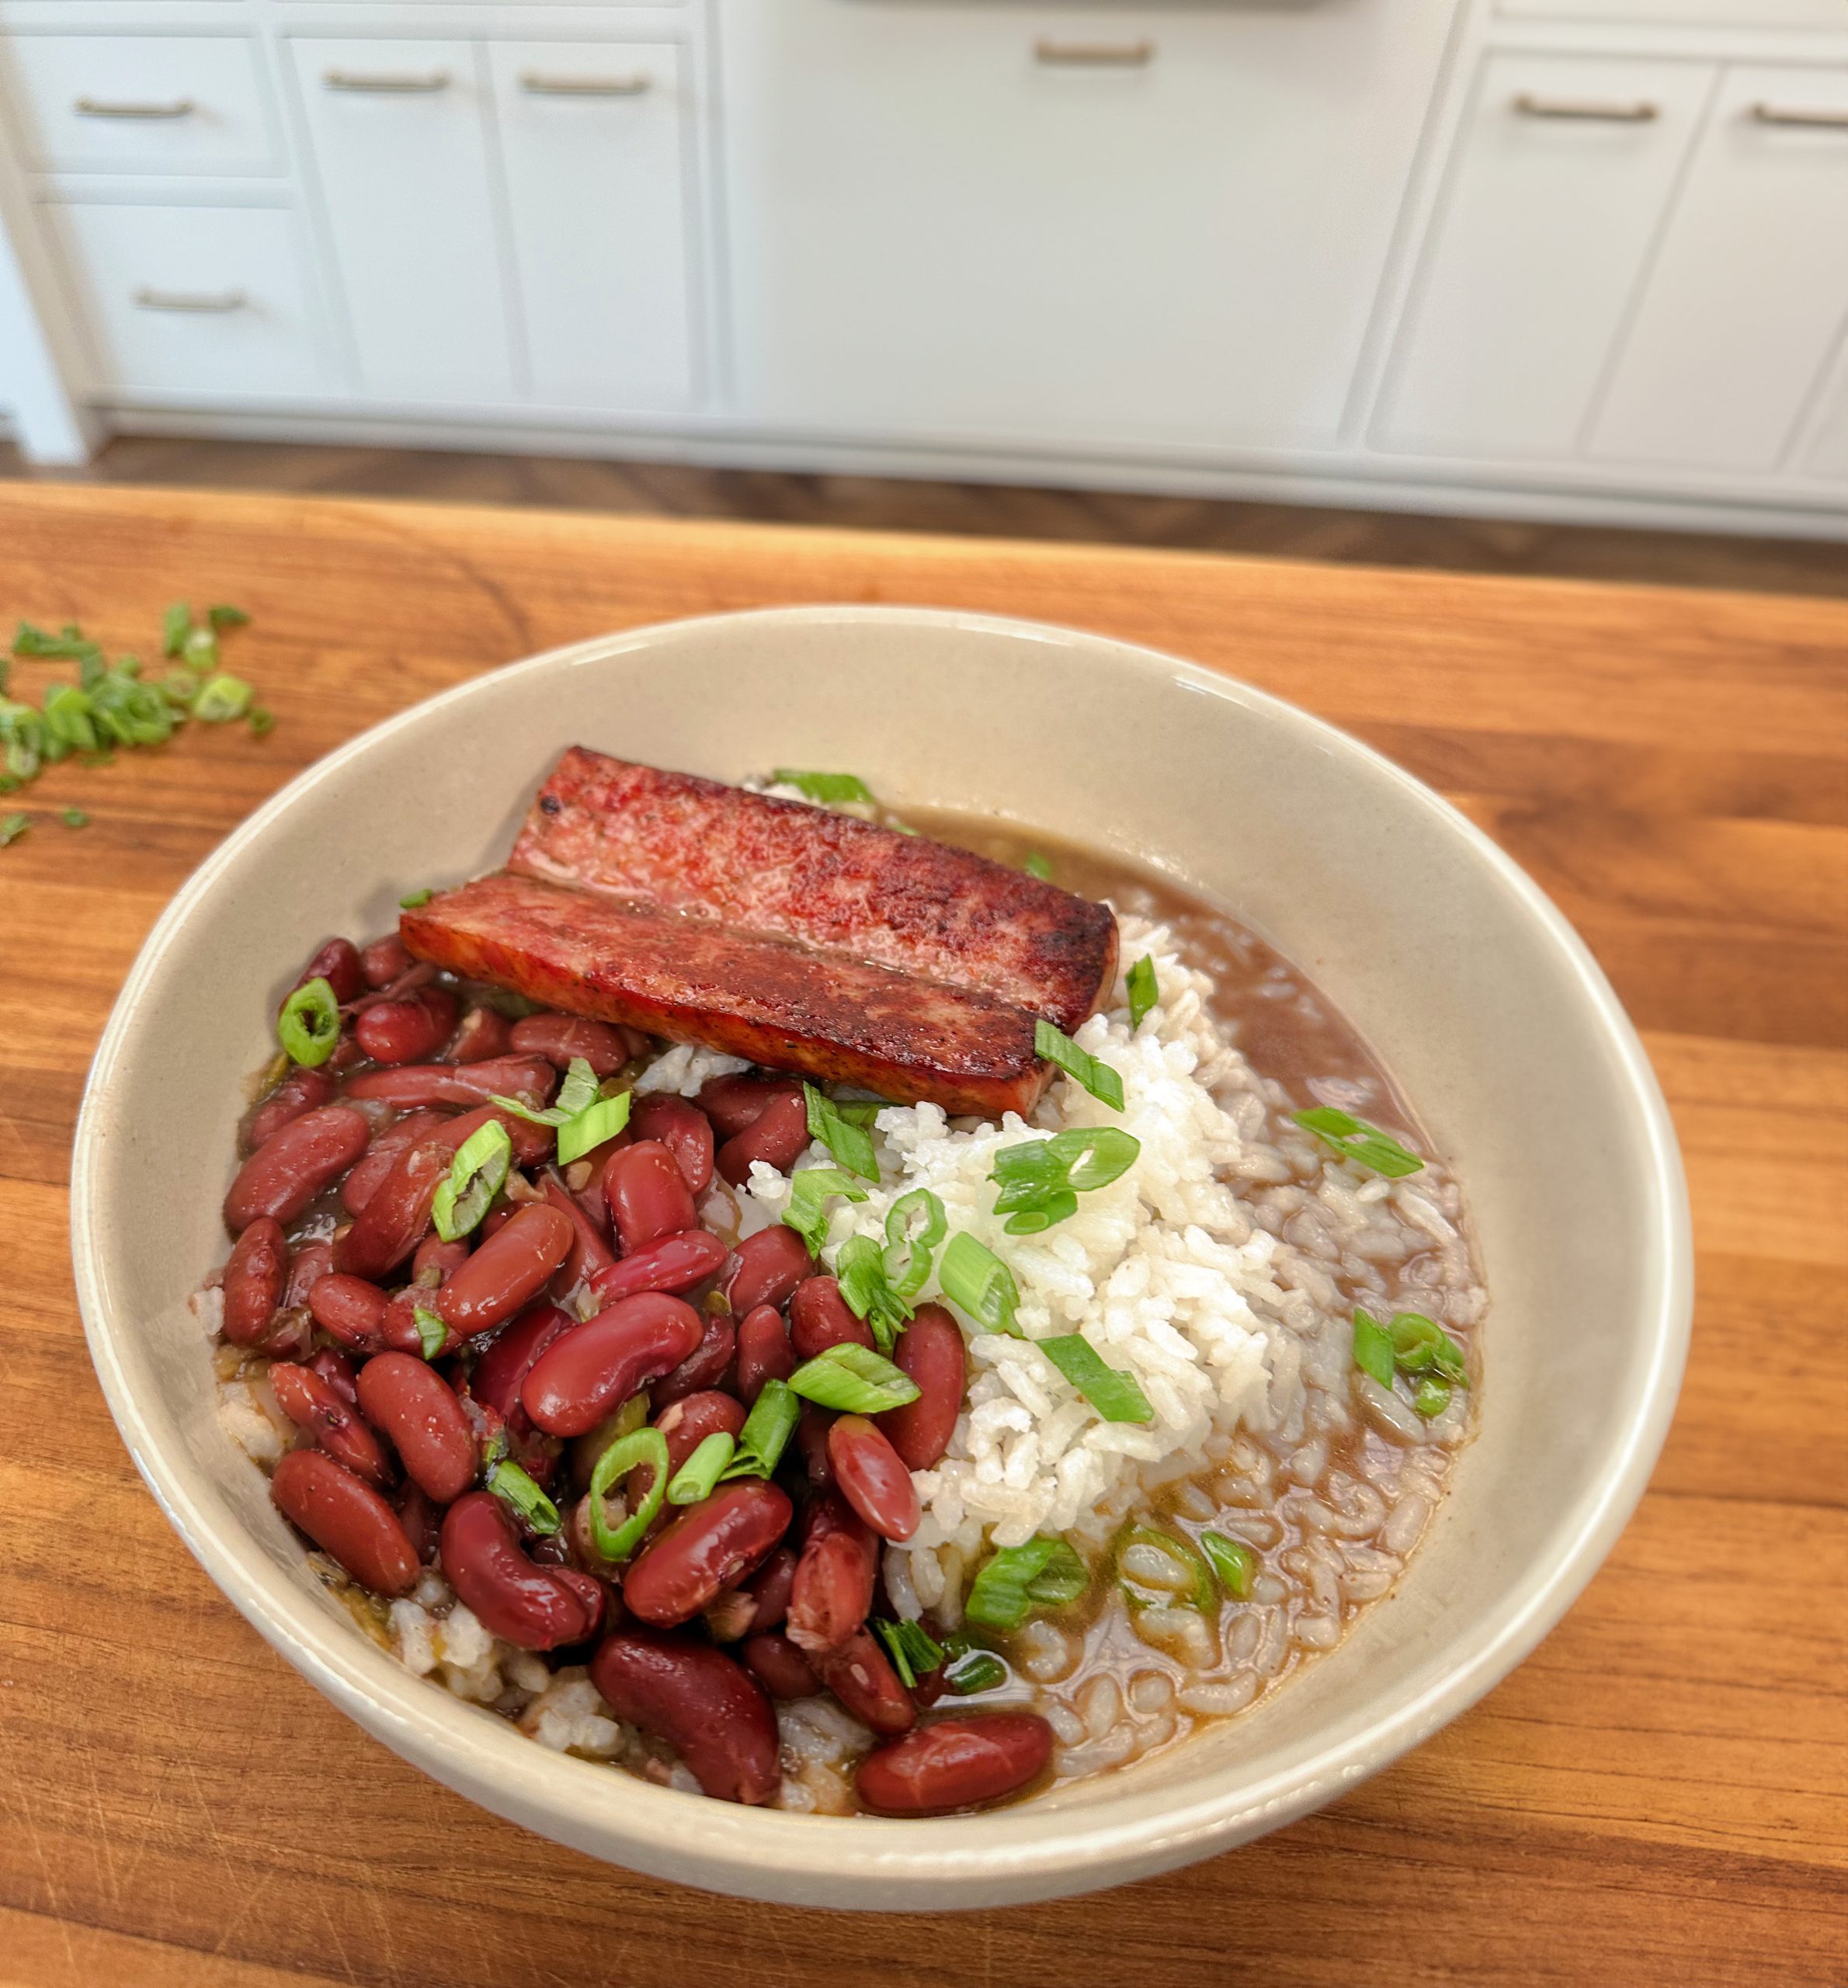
1095	54
1811	120
345	79
91	106
536	85
195	301
1530	105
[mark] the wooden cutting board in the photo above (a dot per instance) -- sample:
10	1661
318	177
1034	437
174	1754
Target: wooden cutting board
1658	1795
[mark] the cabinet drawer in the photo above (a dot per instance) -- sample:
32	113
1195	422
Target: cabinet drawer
594	139
1561	176
1685	13
138	103
400	150
1750	290
210	301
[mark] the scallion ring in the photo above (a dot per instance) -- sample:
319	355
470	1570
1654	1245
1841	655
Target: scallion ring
309	1025
641	1446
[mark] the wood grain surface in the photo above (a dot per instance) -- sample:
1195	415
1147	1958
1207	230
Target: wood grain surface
1659	1795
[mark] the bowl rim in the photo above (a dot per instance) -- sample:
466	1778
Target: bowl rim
1023	1851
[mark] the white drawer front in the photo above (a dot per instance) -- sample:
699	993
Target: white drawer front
401	149
594	137
138	103
207	301
1561	179
1686	13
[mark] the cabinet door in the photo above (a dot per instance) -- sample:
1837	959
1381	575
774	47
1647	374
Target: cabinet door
1561	178
1130	225
1750	289
400	151
594	137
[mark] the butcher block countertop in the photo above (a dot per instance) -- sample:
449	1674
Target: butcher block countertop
1659	1794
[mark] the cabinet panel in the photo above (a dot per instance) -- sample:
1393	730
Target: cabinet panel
594	136
1561	175
1687	13
400	150
206	300
1130	225
1750	289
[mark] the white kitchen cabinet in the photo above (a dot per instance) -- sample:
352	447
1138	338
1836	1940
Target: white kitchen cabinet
1149	226
1750	290
1684	13
1561	173
204	301
401	156
595	140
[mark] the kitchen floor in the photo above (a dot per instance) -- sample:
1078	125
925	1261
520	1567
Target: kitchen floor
1291	531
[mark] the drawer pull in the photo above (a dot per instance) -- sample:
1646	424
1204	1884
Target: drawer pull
1530	105
90	106
195	301
586	85
345	79
1094	54
1809	120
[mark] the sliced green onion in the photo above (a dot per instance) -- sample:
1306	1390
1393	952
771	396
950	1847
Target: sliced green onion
178	687
68	716
975	1277
1041	1179
1373	1349
75	818
1044	1574
858	1110
1420	1346
222	618
600	1120
512	1486
854	1378
223	699
577	1093
912	1647
1114	1393
1235	1564
695	1478
1431	1397
1142	1593
918	1248
200	651
809	1191
767	1431
175	625
432	1332
850	1144
1354	1139
826	787
476	1175
309	1025
72	646
412	899
1143	992
641	1446
12	827
1097	1077
262	721
1036	865
860	1268
979	1670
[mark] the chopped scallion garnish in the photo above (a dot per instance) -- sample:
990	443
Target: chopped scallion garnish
859	1269
766	1432
1373	1348
914	1651
1115	1395
1036	865
12	827
854	1379
476	1175
913	1248
1044	1573
411	899
809	1191
309	1025
432	1332
175	626
222	699
221	617
1354	1139
975	1277
1143	1588
262	721
515	1489
1096	1076
830	789
1431	1397
600	1119
1420	1345
1041	1180
1144	994
640	1446
850	1144
1234	1563
695	1478
976	1670
75	818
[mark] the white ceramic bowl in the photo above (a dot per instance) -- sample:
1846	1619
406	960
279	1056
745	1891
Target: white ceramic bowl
1480	998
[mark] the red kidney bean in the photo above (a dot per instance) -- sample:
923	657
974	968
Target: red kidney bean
818	1317
387	1147
931	1351
706	1366
712	1545
407	1031
955	1763
421	1520
503	1367
418	1409
483	1034
338	964
413	1086
771	1264
704	1704
763	1351
683	1128
419	974
315	1405
861	1676
397	1212
256	1274
301	1089
562	1038
687	1423
536	1607
728	1615
383	961
345	1518
647	1196
289	1169
811	1445
351	1309
674	1262
313	1261
778	1666
871	1476
335	1369
588	1253
733	1103
768	1590
582	1377
506	1273
444	1258
833	1589
777	1136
